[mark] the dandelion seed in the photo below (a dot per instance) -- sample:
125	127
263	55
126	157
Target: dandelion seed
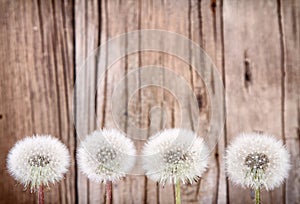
175	155
106	156
257	161
38	161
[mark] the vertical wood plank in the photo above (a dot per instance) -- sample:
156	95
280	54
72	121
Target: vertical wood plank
124	17
206	30
290	21
15	104
178	22
154	98
253	77
88	25
36	88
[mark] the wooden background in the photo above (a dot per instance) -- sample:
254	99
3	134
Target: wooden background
255	45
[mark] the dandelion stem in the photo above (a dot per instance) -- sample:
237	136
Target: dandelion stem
108	186
41	194
257	195
177	193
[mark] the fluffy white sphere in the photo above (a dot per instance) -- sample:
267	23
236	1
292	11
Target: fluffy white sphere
38	160
175	155
257	161
106	155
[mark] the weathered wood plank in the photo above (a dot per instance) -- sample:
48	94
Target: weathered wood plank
125	17
290	21
255	45
176	117
88	25
15	104
206	30
37	43
152	15
253	77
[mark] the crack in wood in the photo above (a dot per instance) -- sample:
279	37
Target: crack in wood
224	84
105	72
294	22
298	122
200	23
213	5
41	23
74	153
247	73
283	73
57	90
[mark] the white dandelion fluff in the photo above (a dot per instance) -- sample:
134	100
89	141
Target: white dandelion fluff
175	155
106	155
257	161
38	160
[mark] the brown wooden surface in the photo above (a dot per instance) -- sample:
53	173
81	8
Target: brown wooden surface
255	45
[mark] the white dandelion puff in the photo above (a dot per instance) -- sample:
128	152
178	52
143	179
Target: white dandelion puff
175	155
38	161
106	155
257	161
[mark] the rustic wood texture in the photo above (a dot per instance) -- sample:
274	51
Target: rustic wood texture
36	85
44	44
290	25
254	77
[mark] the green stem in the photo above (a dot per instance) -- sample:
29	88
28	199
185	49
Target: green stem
177	193
257	196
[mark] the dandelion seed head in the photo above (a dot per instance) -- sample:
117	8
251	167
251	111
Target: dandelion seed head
257	160
38	160
175	155
106	155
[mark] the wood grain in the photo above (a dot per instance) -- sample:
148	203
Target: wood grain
290	25
36	85
253	71
44	46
